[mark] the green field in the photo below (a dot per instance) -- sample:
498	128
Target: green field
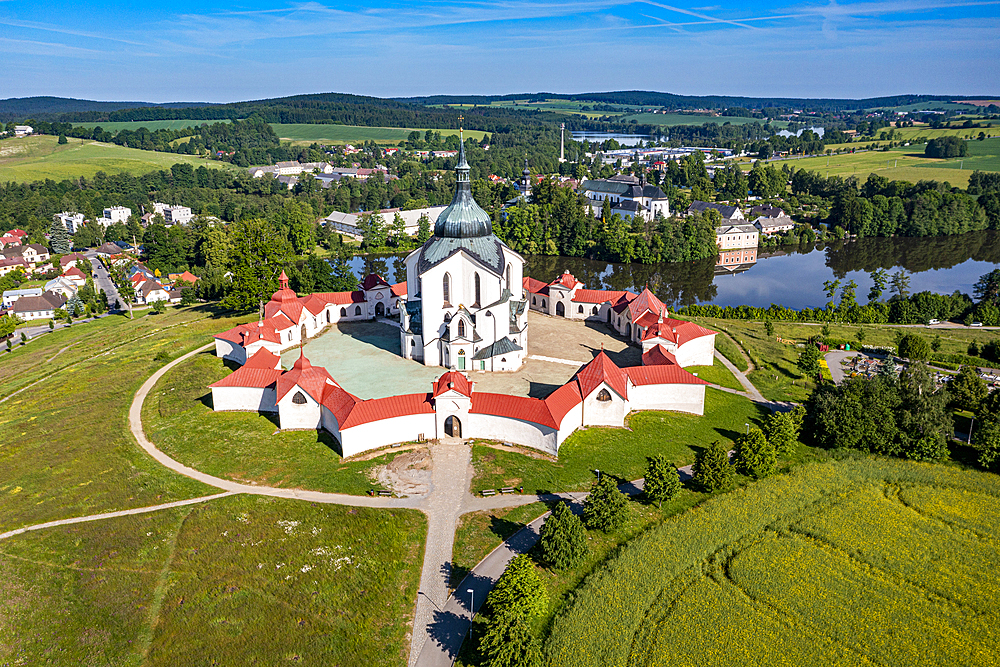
671	119
151	125
906	163
848	563
618	452
41	157
236	581
244	446
345	134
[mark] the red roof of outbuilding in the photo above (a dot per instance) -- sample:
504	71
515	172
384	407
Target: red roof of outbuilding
513	407
646	302
372	281
534	286
341	298
602	370
562	400
658	356
565	280
399	289
313	379
364	412
74	272
72	257
642	375
624	301
251	376
452	381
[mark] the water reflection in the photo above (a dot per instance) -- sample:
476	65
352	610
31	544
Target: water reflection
792	276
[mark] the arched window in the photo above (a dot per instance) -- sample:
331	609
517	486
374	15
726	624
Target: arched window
477	288
357	310
328	317
543	303
604	396
299	398
343	312
446	288
508	276
579	309
594	311
461	328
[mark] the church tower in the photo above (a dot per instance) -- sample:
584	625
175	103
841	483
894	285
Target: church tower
465	307
525	179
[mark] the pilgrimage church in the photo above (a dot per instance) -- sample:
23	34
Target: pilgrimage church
463	307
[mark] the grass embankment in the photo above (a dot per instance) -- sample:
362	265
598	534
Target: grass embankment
344	134
776	374
479	533
731	351
41	157
717	373
854	562
65	445
236	581
618	452
245	447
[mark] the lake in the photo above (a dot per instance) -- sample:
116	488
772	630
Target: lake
791	276
623	139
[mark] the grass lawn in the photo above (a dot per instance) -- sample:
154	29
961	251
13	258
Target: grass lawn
731	351
40	157
717	373
244	446
851	562
236	581
618	452
65	447
343	134
479	533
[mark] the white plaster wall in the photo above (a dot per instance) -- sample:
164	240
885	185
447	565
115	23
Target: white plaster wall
679	397
517	431
292	416
451	403
231	351
386	432
697	352
245	399
604	413
571	421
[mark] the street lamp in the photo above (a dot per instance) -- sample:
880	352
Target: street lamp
472	610
748	427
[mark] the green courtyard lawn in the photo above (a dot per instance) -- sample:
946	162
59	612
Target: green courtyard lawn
235	581
40	157
479	533
618	452
717	373
65	445
245	447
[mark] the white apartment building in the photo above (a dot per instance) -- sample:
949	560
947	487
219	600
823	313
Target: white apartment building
72	220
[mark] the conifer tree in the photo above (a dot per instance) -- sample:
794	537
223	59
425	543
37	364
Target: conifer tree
754	455
508	642
662	481
712	470
606	507
563	538
59	239
519	591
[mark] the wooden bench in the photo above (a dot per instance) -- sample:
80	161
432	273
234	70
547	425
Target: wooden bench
488	492
383	492
508	489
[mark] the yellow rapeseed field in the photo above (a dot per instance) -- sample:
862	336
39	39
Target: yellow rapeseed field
840	563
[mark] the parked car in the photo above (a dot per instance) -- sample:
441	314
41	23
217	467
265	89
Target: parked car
976	324
929	322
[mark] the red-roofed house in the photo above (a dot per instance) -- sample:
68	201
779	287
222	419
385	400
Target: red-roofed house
250	387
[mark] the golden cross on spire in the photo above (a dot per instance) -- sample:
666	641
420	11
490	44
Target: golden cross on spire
460	119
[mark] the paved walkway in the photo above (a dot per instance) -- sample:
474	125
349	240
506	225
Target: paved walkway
751	391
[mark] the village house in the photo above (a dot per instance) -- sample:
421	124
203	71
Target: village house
728	213
42	307
71	260
23	130
62	286
766	225
628	195
12	295
9	265
737	236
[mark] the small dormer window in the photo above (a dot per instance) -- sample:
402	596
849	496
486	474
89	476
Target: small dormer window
604	396
299	398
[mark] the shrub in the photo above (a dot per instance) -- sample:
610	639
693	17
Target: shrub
519	592
563	538
606	507
712	470
914	347
754	455
662	481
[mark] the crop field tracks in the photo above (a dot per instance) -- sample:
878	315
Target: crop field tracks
841	563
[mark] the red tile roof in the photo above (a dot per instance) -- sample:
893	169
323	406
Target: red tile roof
658	356
602	370
260	371
645	302
624	301
285	301
187	277
72	257
375	409
565	280
676	331
562	400
513	407
312	379
264	358
341	298
452	381
74	273
535	286
643	375
314	304
399	289
372	281
597	296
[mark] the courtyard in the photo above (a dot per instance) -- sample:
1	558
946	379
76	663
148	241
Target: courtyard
363	357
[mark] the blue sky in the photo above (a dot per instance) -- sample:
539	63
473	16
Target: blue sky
214	51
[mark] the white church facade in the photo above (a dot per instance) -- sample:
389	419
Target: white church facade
464	307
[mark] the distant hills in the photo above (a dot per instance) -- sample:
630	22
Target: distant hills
350	109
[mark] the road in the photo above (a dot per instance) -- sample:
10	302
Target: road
102	281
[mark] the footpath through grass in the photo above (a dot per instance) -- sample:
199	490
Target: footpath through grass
853	562
65	445
236	581
244	447
618	452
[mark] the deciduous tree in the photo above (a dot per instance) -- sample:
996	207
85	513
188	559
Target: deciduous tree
259	254
712	469
754	455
